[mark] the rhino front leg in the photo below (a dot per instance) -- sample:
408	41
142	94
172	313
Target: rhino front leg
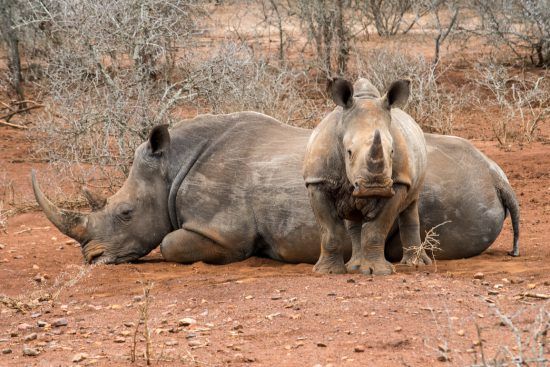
183	246
374	233
354	231
409	230
333	233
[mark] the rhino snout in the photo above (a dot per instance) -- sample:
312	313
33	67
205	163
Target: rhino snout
381	187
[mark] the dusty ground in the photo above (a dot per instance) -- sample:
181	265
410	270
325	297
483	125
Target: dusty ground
264	313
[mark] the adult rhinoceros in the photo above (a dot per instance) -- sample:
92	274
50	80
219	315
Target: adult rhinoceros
222	188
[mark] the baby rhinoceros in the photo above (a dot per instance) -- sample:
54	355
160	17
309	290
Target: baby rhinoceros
364	169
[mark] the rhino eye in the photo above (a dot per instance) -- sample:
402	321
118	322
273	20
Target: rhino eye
125	212
349	153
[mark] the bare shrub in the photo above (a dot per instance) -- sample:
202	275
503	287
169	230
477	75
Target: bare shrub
234	80
431	106
329	25
523	101
521	26
3	218
387	15
430	245
143	319
109	78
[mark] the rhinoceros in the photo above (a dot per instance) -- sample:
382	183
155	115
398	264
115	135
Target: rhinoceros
221	188
364	168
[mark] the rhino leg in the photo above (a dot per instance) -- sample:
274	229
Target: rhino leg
375	232
409	230
333	233
183	246
354	231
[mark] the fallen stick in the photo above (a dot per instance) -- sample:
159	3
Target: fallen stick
9	115
536	295
13	125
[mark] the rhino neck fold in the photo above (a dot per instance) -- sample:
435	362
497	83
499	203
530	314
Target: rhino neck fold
176	183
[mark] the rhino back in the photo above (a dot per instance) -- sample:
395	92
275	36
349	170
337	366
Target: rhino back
459	188
246	191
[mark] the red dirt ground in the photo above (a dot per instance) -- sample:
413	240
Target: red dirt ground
263	313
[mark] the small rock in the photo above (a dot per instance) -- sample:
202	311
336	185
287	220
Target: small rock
42	323
171	343
531	286
276	297
359	349
30	352
460	332
194	343
321	345
479	275
35	267
187	321
6	351
14	334
119	339
443	348
79	357
493	292
398	329
30	337
443	358
60	322
36	314
249	297
24	326
129	324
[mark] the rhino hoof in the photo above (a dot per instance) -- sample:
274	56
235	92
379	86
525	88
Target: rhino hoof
382	267
416	260
329	267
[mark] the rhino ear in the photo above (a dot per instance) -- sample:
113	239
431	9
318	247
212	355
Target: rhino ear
341	91
397	94
159	139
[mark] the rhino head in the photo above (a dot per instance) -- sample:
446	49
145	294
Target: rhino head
132	222
365	135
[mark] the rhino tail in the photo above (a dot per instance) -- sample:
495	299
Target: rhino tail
510	202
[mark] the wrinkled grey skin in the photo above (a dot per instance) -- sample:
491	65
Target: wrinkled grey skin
241	193
364	169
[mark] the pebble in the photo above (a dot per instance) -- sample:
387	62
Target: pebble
171	343
359	349
24	326
398	329
60	322
41	323
194	343
120	339
79	357
321	345
187	321
30	337
129	324
30	352
36	314
6	351
479	275
276	297
460	332
35	267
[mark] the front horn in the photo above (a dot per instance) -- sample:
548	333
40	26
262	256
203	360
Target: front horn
70	223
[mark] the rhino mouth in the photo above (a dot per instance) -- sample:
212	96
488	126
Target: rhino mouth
377	188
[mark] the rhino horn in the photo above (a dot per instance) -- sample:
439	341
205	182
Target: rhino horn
70	223
96	201
375	159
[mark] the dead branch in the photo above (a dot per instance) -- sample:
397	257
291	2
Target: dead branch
13	125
